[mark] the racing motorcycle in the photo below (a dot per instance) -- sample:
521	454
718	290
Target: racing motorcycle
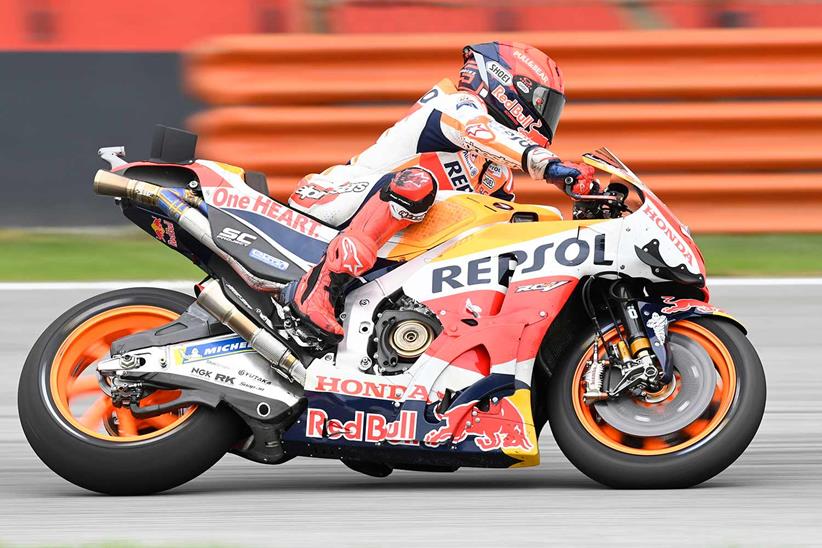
477	327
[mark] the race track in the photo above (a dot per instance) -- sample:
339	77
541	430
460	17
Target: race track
772	495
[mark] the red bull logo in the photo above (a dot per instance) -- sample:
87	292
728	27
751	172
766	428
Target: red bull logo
501	427
683	305
369	427
164	231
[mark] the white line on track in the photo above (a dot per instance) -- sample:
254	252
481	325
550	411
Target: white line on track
763	281
94	286
188	285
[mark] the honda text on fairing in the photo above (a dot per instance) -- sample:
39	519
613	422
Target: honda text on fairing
477	327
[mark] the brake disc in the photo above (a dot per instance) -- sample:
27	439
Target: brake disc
696	377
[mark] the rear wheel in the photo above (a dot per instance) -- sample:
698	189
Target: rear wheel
76	430
682	435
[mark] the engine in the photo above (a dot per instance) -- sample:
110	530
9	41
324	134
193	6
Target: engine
404	330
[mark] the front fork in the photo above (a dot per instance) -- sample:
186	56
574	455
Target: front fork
643	362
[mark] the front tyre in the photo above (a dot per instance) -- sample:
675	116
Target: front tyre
75	429
665	447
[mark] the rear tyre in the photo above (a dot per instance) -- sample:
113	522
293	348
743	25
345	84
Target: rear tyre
74	428
676	454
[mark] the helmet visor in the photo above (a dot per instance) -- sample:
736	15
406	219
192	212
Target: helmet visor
546	102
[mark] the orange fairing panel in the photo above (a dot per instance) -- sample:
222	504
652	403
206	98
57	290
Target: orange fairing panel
456	214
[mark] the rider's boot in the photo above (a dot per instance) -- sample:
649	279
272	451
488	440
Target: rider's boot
403	200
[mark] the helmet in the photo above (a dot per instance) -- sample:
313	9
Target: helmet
521	86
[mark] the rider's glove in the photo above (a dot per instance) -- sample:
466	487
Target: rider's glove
571	177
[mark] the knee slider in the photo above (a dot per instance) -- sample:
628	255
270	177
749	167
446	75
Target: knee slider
410	193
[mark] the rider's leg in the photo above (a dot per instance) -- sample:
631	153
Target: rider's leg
405	199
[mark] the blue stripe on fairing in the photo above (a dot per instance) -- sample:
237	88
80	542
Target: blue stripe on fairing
432	138
303	246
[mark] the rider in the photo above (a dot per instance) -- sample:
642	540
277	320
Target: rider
500	116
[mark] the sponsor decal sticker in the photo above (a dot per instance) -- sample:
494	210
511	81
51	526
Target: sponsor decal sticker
215	349
663	225
456	176
373	389
501	427
480	131
516	111
683	305
270	260
491	270
367	427
469	159
262	205
217	377
351	260
659	324
542	287
164	231
236	237
312	191
400	212
532	65
499	73
523	87
494	169
467	102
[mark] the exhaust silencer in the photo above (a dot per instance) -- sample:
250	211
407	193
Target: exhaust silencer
107	183
213	300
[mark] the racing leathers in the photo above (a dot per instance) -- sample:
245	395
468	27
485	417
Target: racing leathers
447	141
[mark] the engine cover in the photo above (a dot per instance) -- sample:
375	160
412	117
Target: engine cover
402	336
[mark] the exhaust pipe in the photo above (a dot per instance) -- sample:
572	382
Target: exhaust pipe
211	298
214	301
179	208
107	183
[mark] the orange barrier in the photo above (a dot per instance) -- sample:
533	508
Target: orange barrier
729	203
704	137
711	119
313	69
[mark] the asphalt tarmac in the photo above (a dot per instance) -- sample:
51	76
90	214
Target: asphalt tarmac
771	495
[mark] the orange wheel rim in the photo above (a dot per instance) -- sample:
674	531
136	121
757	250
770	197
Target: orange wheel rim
691	434
75	387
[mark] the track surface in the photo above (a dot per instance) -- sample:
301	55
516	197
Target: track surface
772	495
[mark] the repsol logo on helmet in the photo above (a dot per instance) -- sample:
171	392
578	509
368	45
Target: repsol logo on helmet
499	269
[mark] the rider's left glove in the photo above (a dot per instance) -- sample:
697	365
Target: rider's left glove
572	177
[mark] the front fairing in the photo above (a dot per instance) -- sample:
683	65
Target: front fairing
655	244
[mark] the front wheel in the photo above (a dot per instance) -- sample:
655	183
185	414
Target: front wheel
680	436
76	430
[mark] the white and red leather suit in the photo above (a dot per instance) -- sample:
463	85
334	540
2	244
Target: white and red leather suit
447	141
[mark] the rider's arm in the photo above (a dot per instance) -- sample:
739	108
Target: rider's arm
465	122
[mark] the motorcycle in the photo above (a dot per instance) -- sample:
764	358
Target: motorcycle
477	327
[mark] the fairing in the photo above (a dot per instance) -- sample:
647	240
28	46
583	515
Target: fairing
494	274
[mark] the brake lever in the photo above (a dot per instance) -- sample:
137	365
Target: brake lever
569	182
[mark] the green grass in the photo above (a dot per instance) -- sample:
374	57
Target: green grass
126	255
90	256
762	254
